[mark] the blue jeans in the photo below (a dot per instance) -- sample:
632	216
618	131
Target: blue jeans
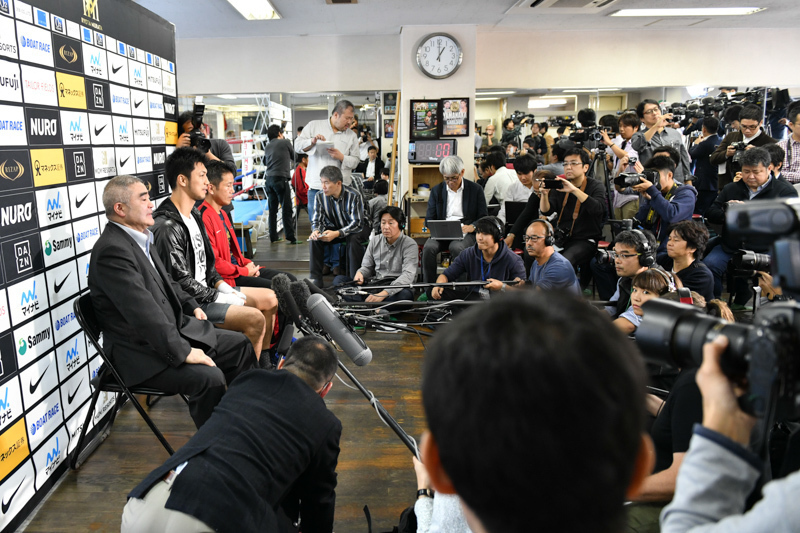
717	261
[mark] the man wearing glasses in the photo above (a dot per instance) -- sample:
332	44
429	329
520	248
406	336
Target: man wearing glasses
727	155
659	132
550	270
454	199
629	260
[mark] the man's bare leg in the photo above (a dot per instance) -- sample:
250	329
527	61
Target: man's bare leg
265	301
249	321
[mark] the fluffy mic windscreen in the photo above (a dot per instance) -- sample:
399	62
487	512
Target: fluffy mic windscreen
281	285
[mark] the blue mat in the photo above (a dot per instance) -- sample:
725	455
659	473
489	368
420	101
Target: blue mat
248	210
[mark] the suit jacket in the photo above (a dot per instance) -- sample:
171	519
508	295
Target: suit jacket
362	167
473	203
144	319
270	446
718	157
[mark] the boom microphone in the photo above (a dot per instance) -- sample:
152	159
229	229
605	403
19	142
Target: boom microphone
281	286
339	330
301	294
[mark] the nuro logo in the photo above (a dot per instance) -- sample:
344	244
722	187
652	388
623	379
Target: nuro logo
90	9
48	248
11	171
23	346
68	54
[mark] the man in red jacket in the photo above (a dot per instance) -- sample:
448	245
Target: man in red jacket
234	268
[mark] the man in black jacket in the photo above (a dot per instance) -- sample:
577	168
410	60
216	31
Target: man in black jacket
580	204
756	184
155	333
454	199
705	173
750	133
266	457
184	248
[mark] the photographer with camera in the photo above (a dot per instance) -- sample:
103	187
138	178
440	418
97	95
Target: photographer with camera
658	134
756	184
489	138
625	205
189	122
512	127
718	473
705	172
664	202
728	154
580	205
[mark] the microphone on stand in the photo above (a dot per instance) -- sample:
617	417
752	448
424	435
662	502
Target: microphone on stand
340	331
301	293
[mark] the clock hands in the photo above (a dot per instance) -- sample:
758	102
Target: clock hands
439	57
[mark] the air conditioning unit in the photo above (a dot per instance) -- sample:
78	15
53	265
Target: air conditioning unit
560	7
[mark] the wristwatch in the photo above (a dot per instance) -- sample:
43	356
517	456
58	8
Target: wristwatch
428	493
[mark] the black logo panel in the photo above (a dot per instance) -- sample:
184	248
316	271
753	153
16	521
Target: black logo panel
43	126
67	54
15	170
97	95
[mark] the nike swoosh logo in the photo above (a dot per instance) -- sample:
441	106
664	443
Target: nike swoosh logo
97	131
58	286
71	397
79	203
115	70
7	504
34	386
123	161
137	104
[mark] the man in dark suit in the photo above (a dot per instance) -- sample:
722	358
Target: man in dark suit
453	199
155	333
750	133
705	172
371	168
266	457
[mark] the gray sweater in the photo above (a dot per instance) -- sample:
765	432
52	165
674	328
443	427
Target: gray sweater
278	157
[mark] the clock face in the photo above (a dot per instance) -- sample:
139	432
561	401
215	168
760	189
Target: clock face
439	55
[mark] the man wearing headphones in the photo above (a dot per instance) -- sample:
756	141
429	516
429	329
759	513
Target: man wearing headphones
489	260
391	257
550	270
634	252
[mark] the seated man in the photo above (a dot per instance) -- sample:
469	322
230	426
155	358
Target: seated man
234	268
499	385
580	205
186	251
371	168
550	270
391	258
489	260
265	458
522	187
501	178
454	199
376	205
664	205
634	252
156	333
756	184
338	217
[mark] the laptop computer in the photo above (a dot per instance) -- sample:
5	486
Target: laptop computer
514	210
445	230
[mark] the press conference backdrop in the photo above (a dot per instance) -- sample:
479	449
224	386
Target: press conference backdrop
87	92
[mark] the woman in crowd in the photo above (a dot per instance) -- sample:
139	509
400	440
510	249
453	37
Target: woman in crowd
687	241
647	285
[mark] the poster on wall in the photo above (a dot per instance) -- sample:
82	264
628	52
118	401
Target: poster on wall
388	128
455	117
87	92
424	119
389	103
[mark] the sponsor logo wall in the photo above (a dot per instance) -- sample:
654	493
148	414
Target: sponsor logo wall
80	102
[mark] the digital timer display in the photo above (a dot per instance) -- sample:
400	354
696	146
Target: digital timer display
431	151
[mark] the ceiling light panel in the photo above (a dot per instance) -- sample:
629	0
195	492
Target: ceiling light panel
255	9
688	12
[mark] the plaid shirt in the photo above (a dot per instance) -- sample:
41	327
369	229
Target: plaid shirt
791	164
344	213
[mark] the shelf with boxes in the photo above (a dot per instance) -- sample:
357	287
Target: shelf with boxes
422	178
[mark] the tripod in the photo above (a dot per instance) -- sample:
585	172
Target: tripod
600	155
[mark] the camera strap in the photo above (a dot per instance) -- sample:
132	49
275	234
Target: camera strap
577	206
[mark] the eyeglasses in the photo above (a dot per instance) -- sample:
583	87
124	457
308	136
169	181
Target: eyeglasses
572	164
531	238
614	255
451	178
748	128
652	111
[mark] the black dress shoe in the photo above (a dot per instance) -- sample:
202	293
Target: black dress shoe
337	270
326	270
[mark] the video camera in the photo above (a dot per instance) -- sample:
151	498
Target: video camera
763	356
747	264
517	117
197	138
629	179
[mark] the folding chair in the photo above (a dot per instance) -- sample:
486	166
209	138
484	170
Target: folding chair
109	380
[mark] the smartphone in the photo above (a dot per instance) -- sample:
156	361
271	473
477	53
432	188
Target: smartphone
553	185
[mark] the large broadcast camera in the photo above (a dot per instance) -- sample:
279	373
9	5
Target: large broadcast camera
518	116
197	138
764	357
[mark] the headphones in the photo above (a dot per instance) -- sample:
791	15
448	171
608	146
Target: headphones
548	238
497	235
669	279
397	214
648	258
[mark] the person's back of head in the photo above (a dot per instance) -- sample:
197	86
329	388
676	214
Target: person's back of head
313	360
529	424
776	153
273	132
381	187
711	125
669	150
587	117
496	159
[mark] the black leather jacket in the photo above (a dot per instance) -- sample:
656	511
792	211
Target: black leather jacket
177	254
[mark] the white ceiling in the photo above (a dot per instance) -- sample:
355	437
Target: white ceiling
199	19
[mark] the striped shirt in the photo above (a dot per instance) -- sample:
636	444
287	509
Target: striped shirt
344	214
791	163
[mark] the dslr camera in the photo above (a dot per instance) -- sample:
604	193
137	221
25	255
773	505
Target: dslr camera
763	356
740	148
747	264
629	179
197	138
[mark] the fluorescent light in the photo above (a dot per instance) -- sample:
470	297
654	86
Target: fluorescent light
558	96
688	12
255	9
227	96
590	90
496	92
484	99
538	104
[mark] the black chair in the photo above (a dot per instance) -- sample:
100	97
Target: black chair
109	380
